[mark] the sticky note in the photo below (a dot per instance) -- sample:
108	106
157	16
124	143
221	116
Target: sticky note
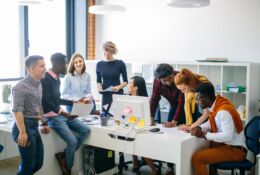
141	123
127	110
132	119
109	154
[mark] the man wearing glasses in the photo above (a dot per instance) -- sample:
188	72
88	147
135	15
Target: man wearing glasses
223	129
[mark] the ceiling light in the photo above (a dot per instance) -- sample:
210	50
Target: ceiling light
106	9
188	3
31	2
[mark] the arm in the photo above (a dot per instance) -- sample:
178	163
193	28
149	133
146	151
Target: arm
121	86
202	118
66	88
22	137
155	98
201	131
124	76
99	79
88	98
19	97
88	88
180	108
44	126
227	128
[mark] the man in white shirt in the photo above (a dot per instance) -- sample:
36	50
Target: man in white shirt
223	129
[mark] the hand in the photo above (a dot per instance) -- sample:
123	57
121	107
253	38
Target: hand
45	129
65	114
86	100
197	132
99	88
116	88
184	128
22	139
169	124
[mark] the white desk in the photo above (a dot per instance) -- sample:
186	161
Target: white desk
172	146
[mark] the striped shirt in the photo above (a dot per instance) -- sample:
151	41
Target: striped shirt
27	97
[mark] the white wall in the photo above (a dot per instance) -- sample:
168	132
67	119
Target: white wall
152	31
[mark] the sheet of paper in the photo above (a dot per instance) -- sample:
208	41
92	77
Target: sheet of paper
109	89
82	110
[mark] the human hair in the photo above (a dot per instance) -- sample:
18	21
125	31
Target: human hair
109	46
207	90
71	67
163	70
57	58
139	82
32	60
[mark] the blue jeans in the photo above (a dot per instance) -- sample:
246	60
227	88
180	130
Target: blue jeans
64	127
32	155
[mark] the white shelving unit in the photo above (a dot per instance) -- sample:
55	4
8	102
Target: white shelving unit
244	74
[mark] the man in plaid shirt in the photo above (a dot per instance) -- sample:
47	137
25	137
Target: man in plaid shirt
163	85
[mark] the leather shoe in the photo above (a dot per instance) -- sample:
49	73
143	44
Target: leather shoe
61	158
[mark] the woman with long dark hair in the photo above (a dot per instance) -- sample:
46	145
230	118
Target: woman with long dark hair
137	87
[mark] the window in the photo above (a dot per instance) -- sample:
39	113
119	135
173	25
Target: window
47	29
9	42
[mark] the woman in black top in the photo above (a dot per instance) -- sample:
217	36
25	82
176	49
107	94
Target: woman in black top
137	87
109	72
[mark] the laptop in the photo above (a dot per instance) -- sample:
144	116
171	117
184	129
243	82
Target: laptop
82	110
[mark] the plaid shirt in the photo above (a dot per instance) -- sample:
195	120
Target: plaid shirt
27	97
172	94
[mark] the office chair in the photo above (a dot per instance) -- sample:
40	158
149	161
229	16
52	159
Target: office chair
1	148
252	135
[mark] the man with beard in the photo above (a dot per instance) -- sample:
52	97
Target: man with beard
163	85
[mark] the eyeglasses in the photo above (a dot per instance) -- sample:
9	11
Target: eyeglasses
201	99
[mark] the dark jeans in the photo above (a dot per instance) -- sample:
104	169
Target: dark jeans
32	155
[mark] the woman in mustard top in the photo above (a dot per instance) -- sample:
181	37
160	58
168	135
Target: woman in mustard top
187	81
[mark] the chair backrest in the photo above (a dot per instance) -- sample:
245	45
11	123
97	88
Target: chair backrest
1	148
252	135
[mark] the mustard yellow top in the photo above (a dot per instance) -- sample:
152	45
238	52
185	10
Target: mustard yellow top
190	101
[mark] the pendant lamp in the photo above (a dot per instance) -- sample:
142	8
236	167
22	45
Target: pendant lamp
106	9
188	3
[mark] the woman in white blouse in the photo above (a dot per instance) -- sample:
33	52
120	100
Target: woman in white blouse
77	81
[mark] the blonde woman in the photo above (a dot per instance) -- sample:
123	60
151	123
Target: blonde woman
109	72
187	81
